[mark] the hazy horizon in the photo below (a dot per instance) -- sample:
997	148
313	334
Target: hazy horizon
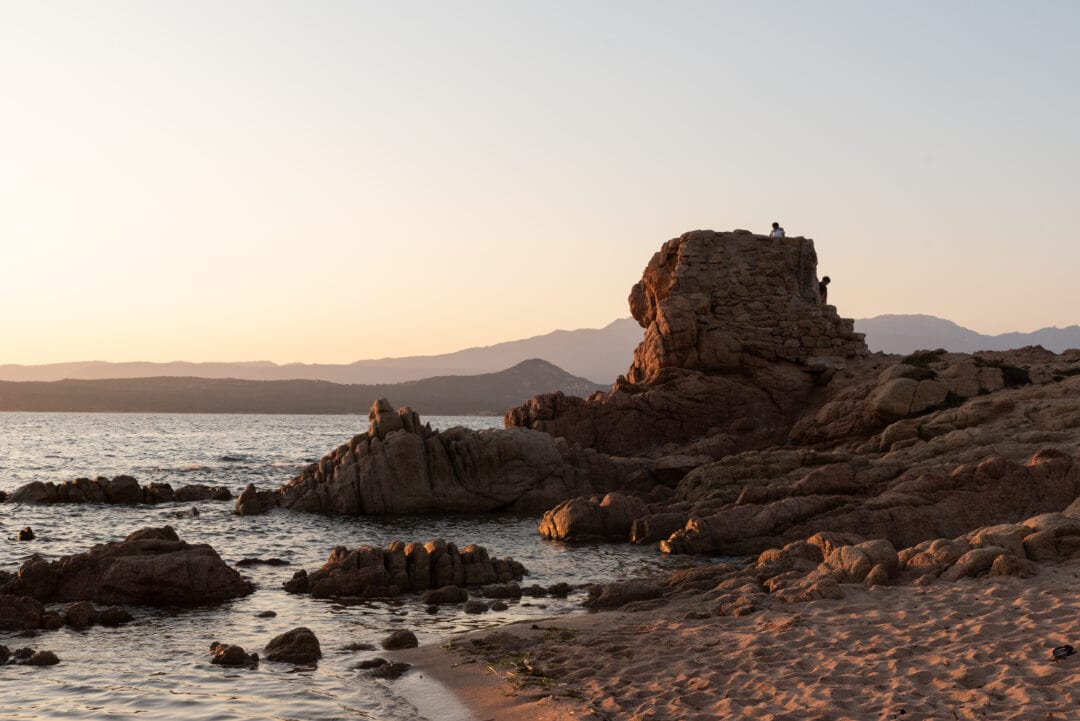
272	181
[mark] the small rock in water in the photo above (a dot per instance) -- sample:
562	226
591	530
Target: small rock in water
432	609
225	654
499	606
296	646
560	590
51	620
390	670
298	583
43	658
80	614
114	616
26	534
262	561
475	607
400	639
266	614
360	647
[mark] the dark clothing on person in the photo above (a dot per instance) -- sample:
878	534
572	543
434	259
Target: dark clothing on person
823	291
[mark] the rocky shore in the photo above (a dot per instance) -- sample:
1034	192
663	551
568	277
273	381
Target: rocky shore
902	533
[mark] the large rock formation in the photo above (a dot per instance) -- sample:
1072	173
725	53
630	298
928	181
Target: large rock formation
402	466
151	567
735	338
754	416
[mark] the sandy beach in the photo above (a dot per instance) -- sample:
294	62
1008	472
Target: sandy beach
971	649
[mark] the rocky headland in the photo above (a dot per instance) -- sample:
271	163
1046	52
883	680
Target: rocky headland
751	416
753	423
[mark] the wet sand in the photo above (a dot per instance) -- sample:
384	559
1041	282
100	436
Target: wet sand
973	649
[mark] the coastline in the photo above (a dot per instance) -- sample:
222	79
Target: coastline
970	649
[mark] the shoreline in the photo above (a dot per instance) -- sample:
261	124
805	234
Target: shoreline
970	649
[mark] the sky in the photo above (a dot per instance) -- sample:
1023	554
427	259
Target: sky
330	181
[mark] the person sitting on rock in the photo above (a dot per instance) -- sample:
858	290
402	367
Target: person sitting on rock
777	231
823	289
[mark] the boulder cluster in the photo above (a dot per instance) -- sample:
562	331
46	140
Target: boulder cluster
117	490
27	657
372	572
23	613
825	563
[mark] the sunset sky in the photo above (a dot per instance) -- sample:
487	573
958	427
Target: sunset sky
330	181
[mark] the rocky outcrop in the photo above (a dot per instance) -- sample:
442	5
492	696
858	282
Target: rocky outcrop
735	340
718	302
150	567
400	567
593	518
402	466
118	490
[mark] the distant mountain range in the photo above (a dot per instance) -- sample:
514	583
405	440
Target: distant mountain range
907	333
600	354
483	394
597	354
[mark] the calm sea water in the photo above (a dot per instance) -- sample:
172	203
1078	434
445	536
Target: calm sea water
158	667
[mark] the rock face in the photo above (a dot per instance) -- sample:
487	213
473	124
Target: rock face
715	302
118	490
734	329
402	466
151	567
401	567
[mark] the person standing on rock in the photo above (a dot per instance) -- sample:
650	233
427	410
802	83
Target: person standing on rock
823	290
777	231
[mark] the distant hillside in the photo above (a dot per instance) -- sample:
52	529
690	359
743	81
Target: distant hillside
488	394
907	333
600	354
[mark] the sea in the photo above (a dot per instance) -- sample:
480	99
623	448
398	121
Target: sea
158	666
